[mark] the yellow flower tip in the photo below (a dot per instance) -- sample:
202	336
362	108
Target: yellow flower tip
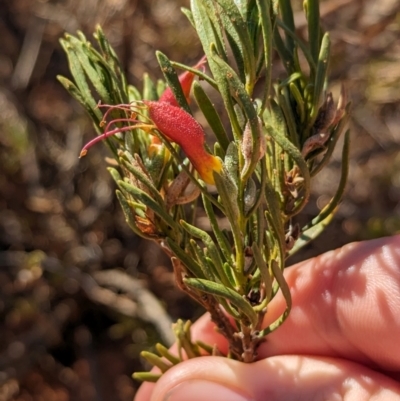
206	168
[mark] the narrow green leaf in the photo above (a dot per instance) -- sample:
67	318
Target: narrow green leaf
312	64
188	15
288	298
155	361
295	154
78	73
284	54
231	162
221	239
220	290
313	18
239	39
335	135
266	25
147	200
114	174
146	376
211	115
286	106
198	72
208	28
212	250
299	101
264	271
74	91
274	214
112	64
129	216
142	178
133	94
94	72
318	224
311	233
187	261
261	190
164	352
208	269
228	193
149	88
320	77
238	91
288	19
173	80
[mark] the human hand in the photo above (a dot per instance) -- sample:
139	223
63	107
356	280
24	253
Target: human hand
341	340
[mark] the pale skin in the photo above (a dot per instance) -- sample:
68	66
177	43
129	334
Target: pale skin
340	342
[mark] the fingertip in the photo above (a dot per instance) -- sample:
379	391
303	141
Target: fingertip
276	378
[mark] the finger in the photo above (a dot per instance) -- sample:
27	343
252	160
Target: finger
345	304
336	299
276	378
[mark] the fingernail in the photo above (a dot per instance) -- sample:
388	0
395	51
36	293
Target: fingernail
199	390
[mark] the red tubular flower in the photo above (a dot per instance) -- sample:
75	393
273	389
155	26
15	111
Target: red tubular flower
180	127
186	81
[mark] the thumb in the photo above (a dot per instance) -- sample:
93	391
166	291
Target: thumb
276	378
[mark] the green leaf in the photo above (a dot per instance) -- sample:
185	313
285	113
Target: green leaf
320	77
335	135
188	15
278	273
130	166
94	71
295	154
172	79
301	107
264	271
266	25
212	250
239	40
155	360
313	18
228	193
284	54
211	115
208	27
239	92
221	239
164	352
129	216
286	106
208	269
312	64
74	91
311	233
149	89
146	376
147	200
79	75
319	223
220	290
288	19
187	261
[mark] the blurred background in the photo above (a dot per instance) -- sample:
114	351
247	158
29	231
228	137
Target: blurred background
78	290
